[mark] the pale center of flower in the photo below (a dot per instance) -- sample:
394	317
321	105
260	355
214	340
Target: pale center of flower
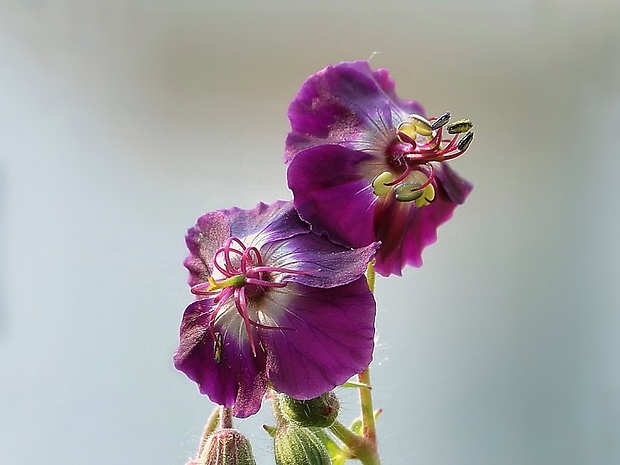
239	273
419	142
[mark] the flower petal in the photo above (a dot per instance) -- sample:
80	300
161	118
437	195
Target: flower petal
322	263
332	191
264	223
347	104
330	341
404	230
203	240
238	379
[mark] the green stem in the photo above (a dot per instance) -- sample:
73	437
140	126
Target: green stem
360	447
364	447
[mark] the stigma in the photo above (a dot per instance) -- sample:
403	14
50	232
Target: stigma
239	276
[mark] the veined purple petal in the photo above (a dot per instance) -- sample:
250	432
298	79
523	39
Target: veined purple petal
238	379
404	230
331	340
332	190
347	104
321	262
273	222
264	223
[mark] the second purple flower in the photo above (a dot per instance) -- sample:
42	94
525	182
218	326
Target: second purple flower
366	166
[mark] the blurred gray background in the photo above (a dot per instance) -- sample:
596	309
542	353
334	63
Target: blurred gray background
121	121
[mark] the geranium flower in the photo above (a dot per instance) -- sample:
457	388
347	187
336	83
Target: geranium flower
366	166
276	305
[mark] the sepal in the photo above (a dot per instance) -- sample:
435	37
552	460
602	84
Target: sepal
295	445
226	447
318	412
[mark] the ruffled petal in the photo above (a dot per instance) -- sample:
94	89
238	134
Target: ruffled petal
405	231
332	191
331	337
238	380
347	104
264	223
203	240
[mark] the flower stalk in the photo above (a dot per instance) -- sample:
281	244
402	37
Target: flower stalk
368	418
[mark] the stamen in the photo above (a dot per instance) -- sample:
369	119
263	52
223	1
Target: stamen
247	268
465	142
408	191
403	175
242	309
380	184
422	125
406	132
202	289
261	269
248	261
441	121
219	302
263	283
460	126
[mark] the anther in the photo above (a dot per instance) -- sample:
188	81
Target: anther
379	186
465	142
460	126
441	121
422	125
406	132
408	191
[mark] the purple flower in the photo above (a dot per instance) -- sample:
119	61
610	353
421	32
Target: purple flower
366	166
275	305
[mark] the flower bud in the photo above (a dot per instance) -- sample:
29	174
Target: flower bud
226	447
320	411
295	445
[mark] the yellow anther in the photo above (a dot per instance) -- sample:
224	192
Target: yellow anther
422	125
428	195
460	126
409	191
407	128
379	183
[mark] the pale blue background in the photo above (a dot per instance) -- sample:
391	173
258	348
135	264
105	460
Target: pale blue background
122	121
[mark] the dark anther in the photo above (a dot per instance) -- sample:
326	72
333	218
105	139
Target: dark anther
465	141
441	121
